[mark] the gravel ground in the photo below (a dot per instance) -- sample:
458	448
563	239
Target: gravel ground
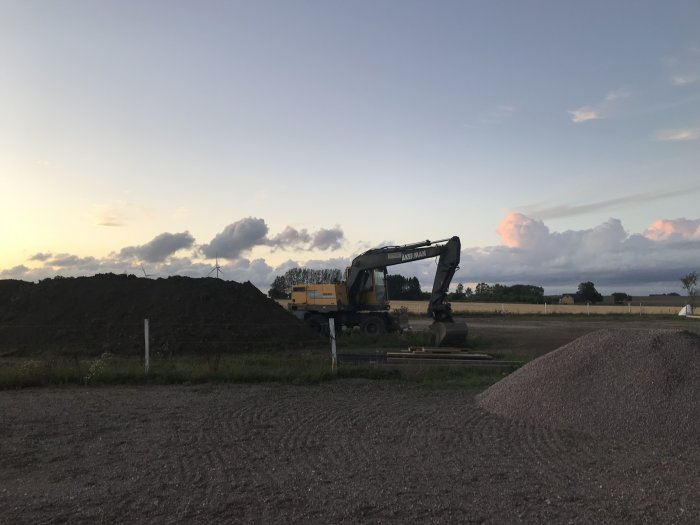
343	452
637	384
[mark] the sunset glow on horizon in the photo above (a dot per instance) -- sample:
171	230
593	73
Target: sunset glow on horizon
558	141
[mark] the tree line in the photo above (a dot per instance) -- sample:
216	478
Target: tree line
409	289
281	287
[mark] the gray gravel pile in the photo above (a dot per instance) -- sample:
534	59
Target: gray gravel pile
626	384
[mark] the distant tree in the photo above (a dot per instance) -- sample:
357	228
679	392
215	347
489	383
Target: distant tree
468	292
620	297
587	293
282	285
295	276
458	294
402	288
482	289
517	293
279	289
690	283
524	293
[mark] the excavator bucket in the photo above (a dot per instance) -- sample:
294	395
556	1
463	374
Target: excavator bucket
449	334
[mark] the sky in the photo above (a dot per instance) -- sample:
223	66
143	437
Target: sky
559	140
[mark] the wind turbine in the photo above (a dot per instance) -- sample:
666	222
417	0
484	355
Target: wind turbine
216	268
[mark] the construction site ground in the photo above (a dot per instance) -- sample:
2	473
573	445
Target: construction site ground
350	451
345	451
527	337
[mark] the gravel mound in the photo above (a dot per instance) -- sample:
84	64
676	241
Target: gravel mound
105	313
626	384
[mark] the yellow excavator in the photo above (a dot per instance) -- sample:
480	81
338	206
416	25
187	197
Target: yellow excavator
362	300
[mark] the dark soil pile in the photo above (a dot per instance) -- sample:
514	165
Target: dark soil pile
627	384
106	313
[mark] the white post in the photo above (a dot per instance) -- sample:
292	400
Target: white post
545	308
588	308
147	351
629	308
334	356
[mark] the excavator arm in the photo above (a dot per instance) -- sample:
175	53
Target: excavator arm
448	263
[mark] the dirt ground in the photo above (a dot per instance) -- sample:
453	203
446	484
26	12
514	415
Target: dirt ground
529	336
106	312
343	452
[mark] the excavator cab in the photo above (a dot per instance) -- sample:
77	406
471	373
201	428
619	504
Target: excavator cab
373	293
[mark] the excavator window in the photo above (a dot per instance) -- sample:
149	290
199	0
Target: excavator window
380	285
367	282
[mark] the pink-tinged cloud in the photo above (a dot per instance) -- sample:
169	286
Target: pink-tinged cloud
675	229
674	135
519	231
600	110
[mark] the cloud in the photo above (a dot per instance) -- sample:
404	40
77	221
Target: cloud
323	239
107	216
605	254
327	239
530	252
684	66
16	272
571	210
160	248
678	134
600	110
117	213
237	238
290	237
66	260
585	113
608	255
243	235
676	229
518	230
230	245
684	80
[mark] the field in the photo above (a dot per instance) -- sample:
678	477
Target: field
350	450
641	307
529	336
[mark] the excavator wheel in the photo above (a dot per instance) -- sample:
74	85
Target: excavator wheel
318	323
373	326
449	334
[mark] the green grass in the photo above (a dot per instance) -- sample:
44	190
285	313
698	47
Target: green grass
455	376
61	367
302	369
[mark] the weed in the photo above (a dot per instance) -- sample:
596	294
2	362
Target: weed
97	367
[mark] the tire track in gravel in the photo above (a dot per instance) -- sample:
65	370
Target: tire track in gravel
553	451
343	452
554	454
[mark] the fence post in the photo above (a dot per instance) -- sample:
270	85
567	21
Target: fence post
545	308
334	356
147	349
